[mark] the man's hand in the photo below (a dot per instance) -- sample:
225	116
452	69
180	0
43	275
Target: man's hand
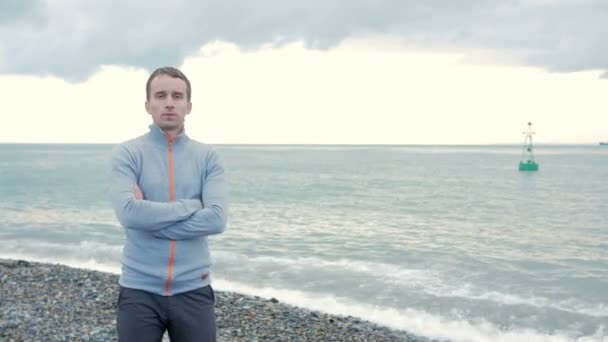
137	192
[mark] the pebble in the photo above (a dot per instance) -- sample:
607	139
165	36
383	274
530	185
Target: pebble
50	302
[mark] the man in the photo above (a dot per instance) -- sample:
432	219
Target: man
168	192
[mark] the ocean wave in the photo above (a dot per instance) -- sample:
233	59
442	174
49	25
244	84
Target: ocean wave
86	263
430	282
571	305
415	321
92	253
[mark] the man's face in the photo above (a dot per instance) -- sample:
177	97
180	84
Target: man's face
168	103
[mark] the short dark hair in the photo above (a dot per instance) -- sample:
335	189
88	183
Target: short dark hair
169	71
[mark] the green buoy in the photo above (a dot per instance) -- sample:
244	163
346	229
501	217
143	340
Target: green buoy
527	162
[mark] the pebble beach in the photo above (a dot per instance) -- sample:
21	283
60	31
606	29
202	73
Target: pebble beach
51	302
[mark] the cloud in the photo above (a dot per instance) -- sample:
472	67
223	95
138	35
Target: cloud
13	11
73	39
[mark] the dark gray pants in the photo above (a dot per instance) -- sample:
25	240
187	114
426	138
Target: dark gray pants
144	316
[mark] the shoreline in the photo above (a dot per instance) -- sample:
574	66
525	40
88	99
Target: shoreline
54	302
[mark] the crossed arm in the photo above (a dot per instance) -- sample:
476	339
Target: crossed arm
178	220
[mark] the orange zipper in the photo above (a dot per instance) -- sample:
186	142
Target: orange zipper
171	199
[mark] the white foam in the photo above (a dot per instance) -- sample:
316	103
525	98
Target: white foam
408	277
426	281
84	254
82	248
414	321
89	264
571	305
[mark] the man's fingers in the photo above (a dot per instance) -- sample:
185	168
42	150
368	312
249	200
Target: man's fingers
137	192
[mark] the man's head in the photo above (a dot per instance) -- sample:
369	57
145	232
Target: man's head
168	96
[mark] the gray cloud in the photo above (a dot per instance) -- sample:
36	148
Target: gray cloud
72	39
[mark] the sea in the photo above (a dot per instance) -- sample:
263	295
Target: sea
448	242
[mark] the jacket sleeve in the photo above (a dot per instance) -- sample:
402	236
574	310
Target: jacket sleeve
142	214
213	218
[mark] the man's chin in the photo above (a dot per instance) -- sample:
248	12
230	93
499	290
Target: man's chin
169	125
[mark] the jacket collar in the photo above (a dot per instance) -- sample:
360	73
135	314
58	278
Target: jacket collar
160	137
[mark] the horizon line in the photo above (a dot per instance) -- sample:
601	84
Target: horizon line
597	143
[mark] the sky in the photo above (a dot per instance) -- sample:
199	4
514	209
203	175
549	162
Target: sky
309	72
